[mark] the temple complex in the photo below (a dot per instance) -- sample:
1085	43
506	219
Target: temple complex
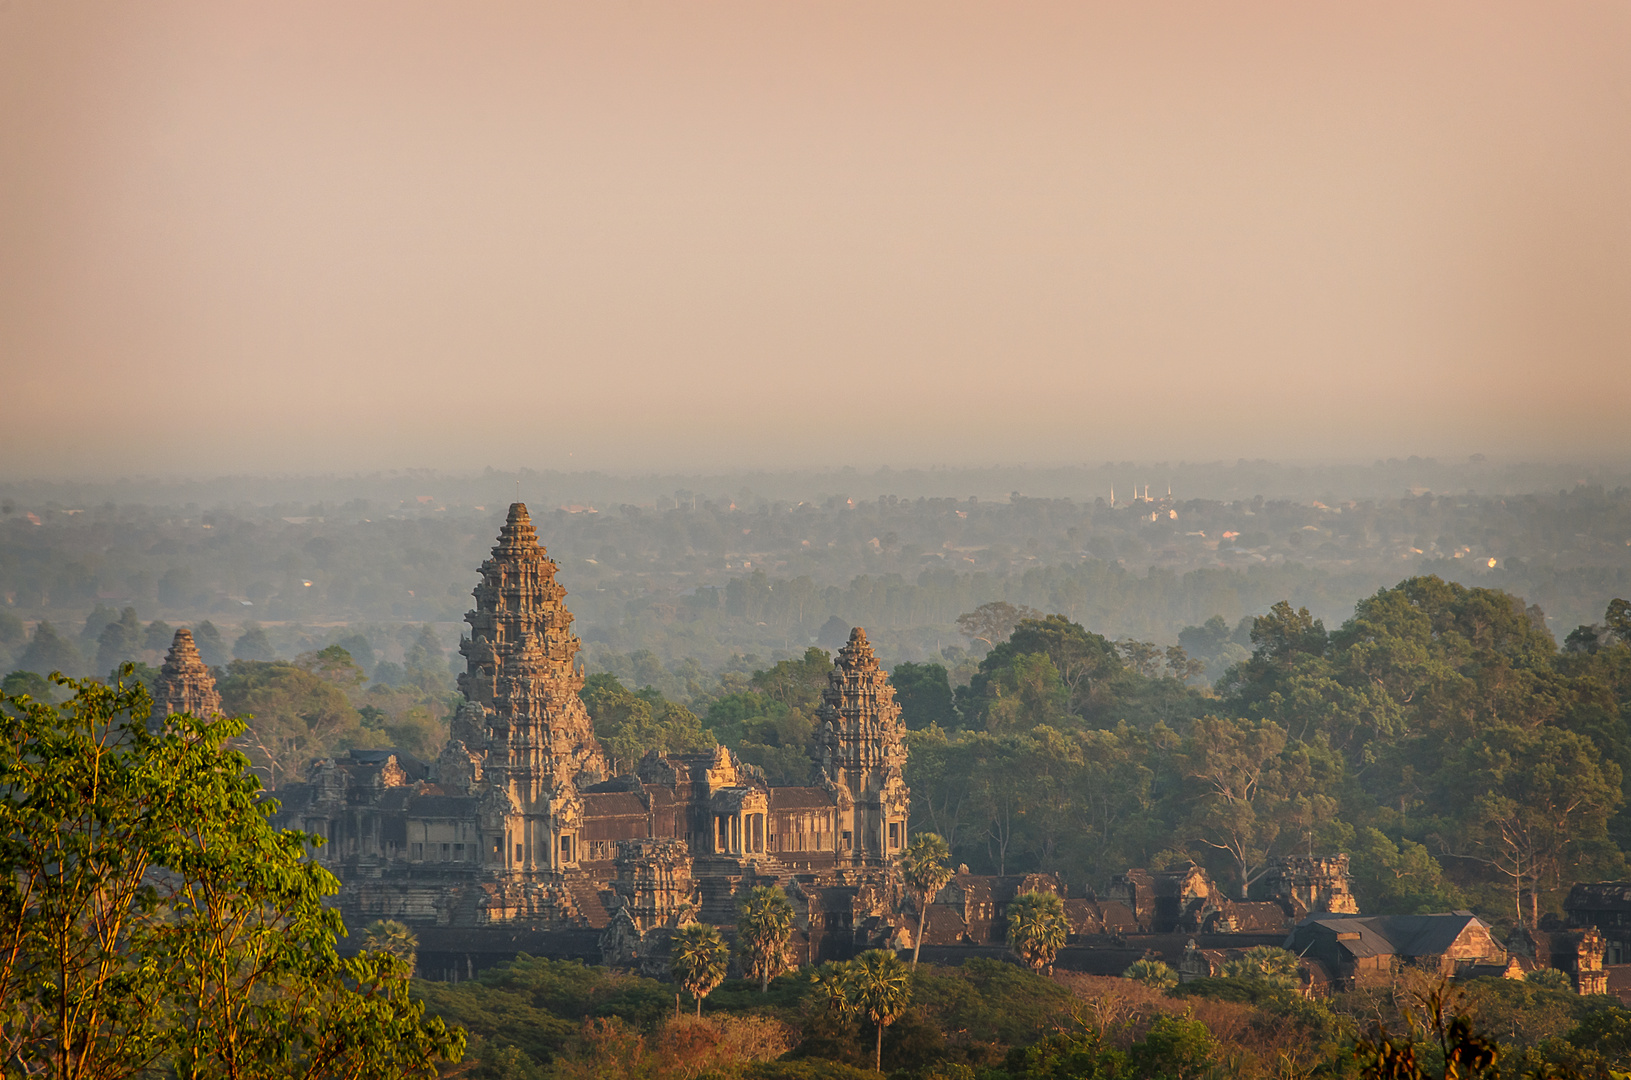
518	838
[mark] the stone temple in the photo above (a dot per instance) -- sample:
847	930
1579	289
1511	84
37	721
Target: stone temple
517	839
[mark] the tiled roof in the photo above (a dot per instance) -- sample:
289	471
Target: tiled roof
612	804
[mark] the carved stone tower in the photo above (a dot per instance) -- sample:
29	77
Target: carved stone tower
185	684
523	719
1319	884
863	754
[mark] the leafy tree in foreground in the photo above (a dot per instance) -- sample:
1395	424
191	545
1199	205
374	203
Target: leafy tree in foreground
700	957
763	926
925	865
1037	927
880	987
152	920
1461	1052
1175	1048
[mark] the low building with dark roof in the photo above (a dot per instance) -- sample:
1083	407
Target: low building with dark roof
1358	950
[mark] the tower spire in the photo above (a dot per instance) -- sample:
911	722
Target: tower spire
185	684
524	715
864	751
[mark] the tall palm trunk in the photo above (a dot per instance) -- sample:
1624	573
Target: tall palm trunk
922	919
877	1060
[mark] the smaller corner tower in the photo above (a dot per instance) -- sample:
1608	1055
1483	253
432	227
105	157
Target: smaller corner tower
185	684
863	755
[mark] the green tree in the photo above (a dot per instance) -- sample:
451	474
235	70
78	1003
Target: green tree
1037	928
925	696
699	960
764	924
880	987
1535	800
1175	1048
294	715
1087	663
154	921
397	939
119	641
1152	973
47	651
1250	790
253	645
991	623
1265	964
630	724
832	988
1397	878
925	866
211	648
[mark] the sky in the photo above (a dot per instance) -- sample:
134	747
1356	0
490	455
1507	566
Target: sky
634	235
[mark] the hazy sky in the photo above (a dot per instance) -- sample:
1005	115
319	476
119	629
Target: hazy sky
336	236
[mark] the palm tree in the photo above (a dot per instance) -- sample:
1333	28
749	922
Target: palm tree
925	865
832	982
700	956
390	936
1265	963
880	986
763	925
1037	927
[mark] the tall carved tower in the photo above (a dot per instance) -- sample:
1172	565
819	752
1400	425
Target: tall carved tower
863	754
185	684
530	737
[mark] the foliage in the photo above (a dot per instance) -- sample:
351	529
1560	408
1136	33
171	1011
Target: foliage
1174	1048
879	987
925	867
1155	974
632	724
534	1006
1037	927
764	925
700	958
154	920
295	714
925	695
397	939
1450	1048
48	652
1266	964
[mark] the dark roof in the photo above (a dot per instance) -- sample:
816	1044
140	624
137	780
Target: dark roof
1599	896
1256	916
801	798
442	806
1389	935
616	783
612	804
1425	935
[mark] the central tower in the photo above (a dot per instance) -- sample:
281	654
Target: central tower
530	730
863	753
